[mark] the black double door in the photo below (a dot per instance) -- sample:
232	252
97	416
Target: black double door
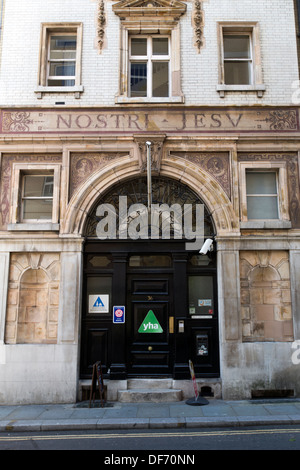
171	312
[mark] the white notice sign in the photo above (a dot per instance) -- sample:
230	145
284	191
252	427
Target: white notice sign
99	303
204	302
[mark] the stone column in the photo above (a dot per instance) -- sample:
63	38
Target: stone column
70	297
229	294
295	291
4	273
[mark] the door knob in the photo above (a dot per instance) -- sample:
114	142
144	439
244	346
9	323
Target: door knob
149	348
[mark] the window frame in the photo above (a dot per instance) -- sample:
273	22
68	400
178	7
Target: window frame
49	60
247	34
48	30
274	195
16	214
34	198
161	19
149	59
251	29
280	169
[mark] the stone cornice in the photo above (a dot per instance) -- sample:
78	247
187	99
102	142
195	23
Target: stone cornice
161	8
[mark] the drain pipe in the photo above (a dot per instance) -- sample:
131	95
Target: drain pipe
149	183
1	18
298	16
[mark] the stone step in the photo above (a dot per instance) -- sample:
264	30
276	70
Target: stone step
150	395
149	383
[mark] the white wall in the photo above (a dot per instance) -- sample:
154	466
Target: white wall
100	72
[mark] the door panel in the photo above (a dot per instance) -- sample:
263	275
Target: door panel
150	344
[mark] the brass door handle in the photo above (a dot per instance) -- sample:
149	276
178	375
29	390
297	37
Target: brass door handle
171	325
150	348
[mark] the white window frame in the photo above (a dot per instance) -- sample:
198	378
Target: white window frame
280	169
149	59
252	31
16	214
34	198
49	60
138	19
55	29
250	60
275	195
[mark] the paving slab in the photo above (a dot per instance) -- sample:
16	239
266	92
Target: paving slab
153	411
284	409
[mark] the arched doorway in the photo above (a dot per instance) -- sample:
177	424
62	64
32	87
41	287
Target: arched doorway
169	292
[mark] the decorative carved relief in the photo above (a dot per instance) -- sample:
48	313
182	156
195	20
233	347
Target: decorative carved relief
216	164
101	21
82	165
265	296
198	20
291	161
146	8
33	298
156	152
6	178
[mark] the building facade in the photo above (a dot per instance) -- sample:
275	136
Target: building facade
91	93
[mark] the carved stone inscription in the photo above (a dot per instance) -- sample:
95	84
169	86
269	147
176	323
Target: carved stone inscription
166	120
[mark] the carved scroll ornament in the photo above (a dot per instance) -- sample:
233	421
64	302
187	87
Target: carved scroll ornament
198	24
101	21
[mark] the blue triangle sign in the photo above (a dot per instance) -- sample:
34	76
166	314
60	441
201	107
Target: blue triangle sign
98	303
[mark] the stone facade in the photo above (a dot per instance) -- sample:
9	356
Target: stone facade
205	136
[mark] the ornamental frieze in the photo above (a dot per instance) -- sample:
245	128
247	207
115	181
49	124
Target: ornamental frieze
216	164
167	120
82	165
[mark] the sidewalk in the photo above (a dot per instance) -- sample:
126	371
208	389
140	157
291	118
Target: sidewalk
116	415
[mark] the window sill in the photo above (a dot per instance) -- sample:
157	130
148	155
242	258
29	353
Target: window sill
170	99
259	89
266	224
34	227
77	90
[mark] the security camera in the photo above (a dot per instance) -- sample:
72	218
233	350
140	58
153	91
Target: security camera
148	143
207	246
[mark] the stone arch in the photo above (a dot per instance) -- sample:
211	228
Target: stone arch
198	180
263	275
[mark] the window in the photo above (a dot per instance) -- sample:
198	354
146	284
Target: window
149	66
237	59
60	59
240	59
201	296
264	199
262	195
37	197
150	70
